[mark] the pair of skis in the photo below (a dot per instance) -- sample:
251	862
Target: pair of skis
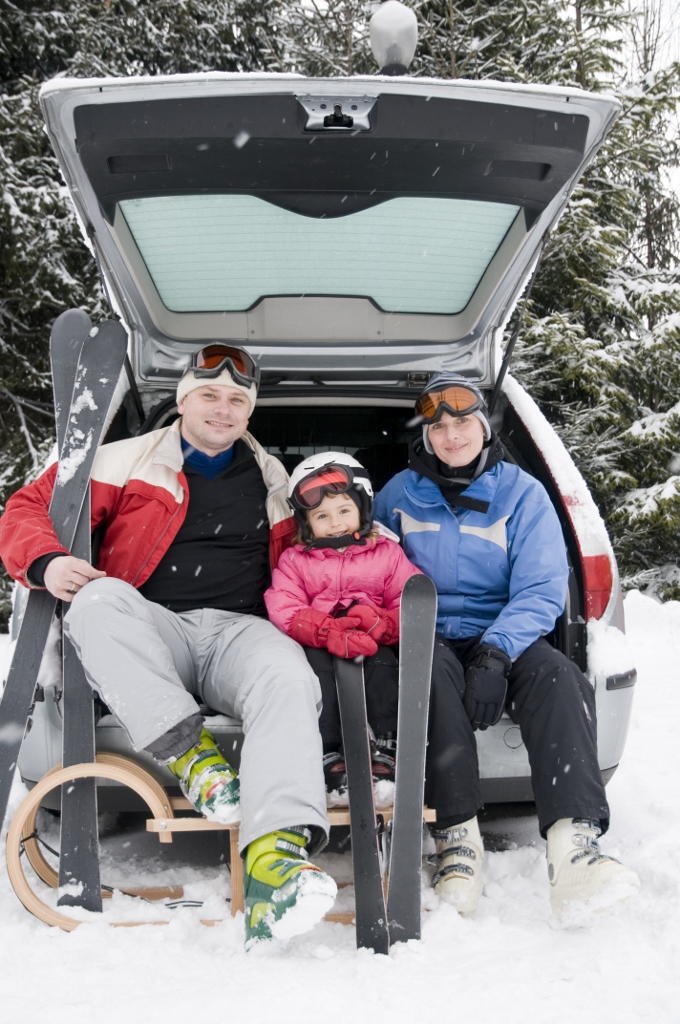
86	366
380	922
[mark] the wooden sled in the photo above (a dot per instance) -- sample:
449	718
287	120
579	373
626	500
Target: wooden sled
21	836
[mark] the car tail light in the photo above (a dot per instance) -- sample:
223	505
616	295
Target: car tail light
597	583
597	566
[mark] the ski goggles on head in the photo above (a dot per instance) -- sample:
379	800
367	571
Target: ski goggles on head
330	479
210	361
457	400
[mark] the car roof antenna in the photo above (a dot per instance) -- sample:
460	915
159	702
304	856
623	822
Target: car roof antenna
514	336
394	37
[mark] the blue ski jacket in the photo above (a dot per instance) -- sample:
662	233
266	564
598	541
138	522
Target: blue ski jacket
502	573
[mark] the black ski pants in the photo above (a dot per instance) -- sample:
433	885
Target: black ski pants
381	681
553	704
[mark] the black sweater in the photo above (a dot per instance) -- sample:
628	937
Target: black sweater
220	556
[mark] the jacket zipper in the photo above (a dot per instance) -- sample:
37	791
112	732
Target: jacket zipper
155	547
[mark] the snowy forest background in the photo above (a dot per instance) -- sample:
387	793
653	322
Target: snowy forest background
600	346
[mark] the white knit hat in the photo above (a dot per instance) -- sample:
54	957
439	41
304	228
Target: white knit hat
189	382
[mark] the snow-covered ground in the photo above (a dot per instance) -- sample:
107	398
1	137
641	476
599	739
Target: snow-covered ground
510	962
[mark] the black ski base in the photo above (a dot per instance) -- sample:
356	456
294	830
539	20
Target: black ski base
416	646
370	916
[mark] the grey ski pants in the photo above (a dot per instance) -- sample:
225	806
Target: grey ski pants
151	665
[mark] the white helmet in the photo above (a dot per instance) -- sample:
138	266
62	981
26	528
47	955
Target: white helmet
330	473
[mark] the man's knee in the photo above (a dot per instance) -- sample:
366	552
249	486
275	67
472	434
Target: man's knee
90	605
107	590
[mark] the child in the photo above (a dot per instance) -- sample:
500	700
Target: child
337	592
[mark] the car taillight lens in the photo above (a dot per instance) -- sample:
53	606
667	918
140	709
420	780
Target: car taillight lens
597	583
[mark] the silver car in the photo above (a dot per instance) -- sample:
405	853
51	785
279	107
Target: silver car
356	235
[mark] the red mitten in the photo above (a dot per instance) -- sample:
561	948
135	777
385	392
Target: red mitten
369	619
390	622
383	625
310	627
349	643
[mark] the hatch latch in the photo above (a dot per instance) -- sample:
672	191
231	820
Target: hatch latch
337	113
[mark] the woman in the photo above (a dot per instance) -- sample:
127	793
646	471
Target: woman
488	535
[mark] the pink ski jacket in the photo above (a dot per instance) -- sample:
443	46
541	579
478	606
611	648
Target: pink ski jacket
327	580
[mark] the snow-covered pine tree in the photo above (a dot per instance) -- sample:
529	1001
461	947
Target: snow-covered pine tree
321	38
44	266
600	348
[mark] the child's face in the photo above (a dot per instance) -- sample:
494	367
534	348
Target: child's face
336	516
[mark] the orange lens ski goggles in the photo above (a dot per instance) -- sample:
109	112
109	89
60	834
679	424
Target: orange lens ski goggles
331	479
211	360
457	400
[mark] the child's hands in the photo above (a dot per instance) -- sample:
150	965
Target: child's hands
342	637
369	619
310	627
383	625
347	642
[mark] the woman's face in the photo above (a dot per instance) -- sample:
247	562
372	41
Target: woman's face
456	440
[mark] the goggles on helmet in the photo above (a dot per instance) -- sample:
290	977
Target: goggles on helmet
456	400
210	361
330	479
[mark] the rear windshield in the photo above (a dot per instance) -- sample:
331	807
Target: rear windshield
208	253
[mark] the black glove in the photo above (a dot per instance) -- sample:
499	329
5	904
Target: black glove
486	685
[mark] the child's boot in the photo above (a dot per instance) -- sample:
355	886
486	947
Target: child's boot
383	757
335	775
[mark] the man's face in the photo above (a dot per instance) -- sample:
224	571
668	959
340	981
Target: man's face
213	417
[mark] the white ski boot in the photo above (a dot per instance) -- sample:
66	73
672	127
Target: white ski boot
579	873
459	856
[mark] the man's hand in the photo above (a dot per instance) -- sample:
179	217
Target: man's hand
65	576
486	685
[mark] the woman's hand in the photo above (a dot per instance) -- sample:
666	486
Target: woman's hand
486	685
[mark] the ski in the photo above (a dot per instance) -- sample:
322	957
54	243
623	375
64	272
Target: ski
370	916
79	880
96	379
69	333
418	619
79	847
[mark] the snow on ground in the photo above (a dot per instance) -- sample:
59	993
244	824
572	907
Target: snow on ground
510	962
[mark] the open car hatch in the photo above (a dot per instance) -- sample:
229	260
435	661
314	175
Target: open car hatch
361	227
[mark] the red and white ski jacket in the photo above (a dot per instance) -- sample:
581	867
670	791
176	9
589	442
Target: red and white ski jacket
140	494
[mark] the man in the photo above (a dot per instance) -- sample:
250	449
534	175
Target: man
488	535
173	616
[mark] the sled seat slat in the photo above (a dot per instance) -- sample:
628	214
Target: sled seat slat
336	816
